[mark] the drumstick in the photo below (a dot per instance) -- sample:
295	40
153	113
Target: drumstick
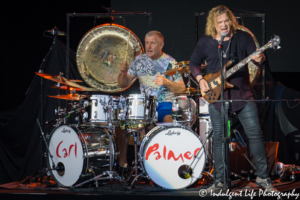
127	47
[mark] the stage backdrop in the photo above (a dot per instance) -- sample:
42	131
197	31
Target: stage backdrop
175	20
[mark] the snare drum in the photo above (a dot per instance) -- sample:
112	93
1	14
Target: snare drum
99	109
141	107
78	152
165	154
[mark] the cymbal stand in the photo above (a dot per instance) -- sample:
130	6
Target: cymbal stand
111	129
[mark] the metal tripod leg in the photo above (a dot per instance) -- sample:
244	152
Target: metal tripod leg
110	174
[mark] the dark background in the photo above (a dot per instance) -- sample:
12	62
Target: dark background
23	48
23	45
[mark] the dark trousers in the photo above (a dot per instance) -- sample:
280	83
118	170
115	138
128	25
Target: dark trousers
249	119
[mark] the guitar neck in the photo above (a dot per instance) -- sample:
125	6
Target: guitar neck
243	62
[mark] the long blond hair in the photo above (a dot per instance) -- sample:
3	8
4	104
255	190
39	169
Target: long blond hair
210	29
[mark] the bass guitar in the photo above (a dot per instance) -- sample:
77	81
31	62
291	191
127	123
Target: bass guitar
214	79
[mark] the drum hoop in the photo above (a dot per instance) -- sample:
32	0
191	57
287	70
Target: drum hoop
156	131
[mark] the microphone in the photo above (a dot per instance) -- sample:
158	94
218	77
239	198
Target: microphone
223	35
55	32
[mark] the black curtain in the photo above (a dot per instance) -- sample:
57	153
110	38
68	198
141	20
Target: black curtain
21	146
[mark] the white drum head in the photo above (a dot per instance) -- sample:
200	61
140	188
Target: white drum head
168	152
67	152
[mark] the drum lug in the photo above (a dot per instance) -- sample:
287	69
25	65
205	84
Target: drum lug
96	102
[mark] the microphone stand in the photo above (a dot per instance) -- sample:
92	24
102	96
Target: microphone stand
224	114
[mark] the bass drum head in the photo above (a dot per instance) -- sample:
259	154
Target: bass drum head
168	152
79	151
66	149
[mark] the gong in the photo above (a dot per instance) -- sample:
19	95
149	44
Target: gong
254	71
100	53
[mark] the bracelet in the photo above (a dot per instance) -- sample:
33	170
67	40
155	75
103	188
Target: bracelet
124	72
201	79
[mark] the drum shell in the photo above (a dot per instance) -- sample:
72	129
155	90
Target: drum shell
92	153
97	113
141	107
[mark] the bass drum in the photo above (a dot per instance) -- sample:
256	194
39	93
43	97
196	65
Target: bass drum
167	152
78	153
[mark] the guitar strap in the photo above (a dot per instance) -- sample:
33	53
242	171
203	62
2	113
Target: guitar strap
233	49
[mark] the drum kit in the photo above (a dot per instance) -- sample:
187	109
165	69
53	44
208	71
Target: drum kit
86	151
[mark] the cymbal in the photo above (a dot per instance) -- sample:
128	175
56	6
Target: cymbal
64	87
182	63
71	97
181	68
69	82
190	90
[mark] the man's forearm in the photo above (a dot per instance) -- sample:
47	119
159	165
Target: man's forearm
176	87
123	80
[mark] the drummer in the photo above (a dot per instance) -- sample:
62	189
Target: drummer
149	68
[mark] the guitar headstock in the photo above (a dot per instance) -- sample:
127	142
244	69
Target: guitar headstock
274	42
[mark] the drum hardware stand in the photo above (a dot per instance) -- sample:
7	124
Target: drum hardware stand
188	171
43	135
111	129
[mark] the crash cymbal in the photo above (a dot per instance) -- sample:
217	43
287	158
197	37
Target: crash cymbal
64	87
180	68
182	63
69	82
71	97
190	90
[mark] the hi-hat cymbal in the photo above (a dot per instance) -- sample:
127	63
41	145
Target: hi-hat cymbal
71	97
69	82
64	87
190	90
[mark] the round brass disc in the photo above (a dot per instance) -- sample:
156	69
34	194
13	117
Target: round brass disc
101	52
254	71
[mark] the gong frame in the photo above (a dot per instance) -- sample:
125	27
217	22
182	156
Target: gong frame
98	15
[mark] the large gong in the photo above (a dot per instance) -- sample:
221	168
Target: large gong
101	52
254	70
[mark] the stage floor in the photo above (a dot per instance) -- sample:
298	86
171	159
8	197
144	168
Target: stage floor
115	190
